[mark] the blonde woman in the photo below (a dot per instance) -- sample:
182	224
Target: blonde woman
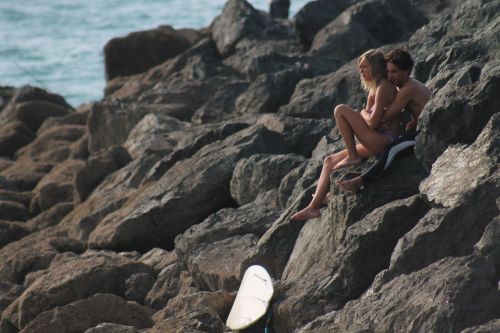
365	125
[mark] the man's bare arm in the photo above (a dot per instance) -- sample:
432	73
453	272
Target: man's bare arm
402	99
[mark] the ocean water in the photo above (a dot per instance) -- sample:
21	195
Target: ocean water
58	44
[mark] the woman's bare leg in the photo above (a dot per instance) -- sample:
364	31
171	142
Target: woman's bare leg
347	133
351	122
313	209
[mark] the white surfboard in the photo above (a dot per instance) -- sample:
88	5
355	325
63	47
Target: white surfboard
252	299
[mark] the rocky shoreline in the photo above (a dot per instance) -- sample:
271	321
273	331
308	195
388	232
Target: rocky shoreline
141	211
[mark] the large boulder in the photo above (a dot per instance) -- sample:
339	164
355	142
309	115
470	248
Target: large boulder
203	320
460	183
13	136
87	313
453	294
142	50
366	25
186	194
25	175
238	21
317	97
71	280
260	173
11	231
488	245
312	287
96	168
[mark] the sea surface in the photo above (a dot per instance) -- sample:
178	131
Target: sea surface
58	44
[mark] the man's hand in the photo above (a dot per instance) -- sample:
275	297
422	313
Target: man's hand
411	124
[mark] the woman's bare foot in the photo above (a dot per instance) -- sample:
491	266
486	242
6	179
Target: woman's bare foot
351	185
348	161
306	214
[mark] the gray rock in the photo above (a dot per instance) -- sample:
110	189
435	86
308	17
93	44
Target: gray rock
453	294
313	287
461	180
238	21
216	266
112	328
186	194
260	173
196	321
14	135
218	301
141	50
488	245
316	97
268	92
8	293
25	175
366	25
315	15
11	231
53	145
490	327
23	198
71	280
50	217
13	211
137	287
166	286
96	168
158	259
87	313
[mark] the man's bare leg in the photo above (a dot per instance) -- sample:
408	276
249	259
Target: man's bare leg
351	185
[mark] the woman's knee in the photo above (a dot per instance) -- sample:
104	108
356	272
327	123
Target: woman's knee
330	161
337	111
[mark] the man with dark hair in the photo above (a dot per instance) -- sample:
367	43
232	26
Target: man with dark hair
412	96
278	9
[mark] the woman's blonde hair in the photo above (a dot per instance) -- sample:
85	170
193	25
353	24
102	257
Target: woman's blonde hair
378	71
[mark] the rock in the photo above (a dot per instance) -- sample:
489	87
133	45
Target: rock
461	180
138	286
473	112
13	211
157	134
268	92
313	287
489	327
8	293
158	259
23	198
317	97
142	50
71	280
200	183
78	117
55	187
96	168
301	135
11	231
366	25
24	175
238	21
52	146
112	328
453	294
33	252
216	266
166	286
192	142
87	313
260	173
50	217
488	244
196	321
225	223
14	135
218	301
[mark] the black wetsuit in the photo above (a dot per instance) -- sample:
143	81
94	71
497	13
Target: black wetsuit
402	143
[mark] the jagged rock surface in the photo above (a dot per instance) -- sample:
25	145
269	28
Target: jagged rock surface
194	163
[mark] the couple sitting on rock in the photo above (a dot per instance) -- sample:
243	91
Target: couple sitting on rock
390	90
